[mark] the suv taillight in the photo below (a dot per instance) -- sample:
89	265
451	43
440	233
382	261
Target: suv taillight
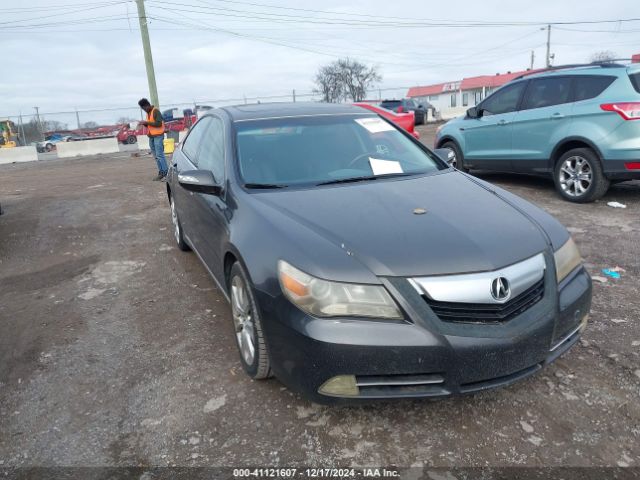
627	110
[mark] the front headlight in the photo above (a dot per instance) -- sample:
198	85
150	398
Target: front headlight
323	298
567	259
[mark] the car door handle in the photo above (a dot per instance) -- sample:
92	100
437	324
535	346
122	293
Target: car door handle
557	116
502	122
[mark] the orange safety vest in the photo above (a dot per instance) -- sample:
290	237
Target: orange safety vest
154	131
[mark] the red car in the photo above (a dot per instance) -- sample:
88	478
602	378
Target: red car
125	134
404	120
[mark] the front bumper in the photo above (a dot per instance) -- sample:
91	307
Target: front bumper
423	356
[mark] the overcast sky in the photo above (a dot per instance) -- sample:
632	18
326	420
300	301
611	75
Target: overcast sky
72	54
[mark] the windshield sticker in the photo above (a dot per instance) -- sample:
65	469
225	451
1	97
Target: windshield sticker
374	125
382	167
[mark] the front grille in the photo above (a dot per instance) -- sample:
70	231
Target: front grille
485	312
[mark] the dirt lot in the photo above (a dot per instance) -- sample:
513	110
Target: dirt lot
117	349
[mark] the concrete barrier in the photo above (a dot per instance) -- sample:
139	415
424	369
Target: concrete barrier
143	142
18	154
87	147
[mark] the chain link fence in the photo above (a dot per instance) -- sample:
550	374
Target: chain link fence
33	125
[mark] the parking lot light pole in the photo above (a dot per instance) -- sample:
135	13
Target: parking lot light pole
548	46
148	58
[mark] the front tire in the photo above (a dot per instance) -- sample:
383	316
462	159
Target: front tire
247	323
458	160
48	147
132	139
579	177
177	227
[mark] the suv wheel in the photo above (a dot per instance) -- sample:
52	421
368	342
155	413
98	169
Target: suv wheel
579	177
247	324
132	139
457	161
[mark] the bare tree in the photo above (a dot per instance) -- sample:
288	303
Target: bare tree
603	56
357	78
90	124
345	79
329	83
123	120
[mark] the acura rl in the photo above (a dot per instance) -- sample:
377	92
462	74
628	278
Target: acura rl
359	265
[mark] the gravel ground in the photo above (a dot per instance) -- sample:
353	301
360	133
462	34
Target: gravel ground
116	349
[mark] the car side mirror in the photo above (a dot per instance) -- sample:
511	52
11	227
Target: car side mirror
474	112
200	181
445	154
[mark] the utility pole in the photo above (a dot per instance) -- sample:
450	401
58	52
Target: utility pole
78	119
548	45
38	123
148	58
533	56
294	95
23	139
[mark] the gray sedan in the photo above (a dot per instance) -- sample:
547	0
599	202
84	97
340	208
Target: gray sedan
359	265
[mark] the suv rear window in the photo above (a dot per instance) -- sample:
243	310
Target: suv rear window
635	80
545	92
586	87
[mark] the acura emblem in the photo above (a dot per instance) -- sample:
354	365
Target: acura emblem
500	289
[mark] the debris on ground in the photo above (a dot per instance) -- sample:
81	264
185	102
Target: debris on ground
599	279
610	272
617	205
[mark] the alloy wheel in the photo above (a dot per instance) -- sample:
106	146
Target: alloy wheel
576	176
452	158
243	319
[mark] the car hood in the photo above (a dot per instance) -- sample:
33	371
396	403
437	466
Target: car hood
466	228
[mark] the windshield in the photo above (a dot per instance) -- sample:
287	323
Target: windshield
326	149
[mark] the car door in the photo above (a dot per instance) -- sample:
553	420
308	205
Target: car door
211	210
488	138
186	158
542	120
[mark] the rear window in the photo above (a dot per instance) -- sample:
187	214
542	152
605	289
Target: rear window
545	92
635	80
391	104
586	87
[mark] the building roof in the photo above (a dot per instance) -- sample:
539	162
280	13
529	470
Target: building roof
428	90
489	81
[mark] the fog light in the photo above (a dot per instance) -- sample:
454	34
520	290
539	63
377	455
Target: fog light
340	386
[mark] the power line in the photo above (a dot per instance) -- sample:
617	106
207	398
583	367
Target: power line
65	13
250	14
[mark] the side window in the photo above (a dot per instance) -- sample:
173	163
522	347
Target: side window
586	87
504	100
191	144
465	99
453	99
545	92
211	154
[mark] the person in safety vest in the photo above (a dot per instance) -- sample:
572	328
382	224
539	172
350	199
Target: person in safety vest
155	124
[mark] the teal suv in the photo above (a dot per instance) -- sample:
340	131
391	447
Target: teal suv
580	124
